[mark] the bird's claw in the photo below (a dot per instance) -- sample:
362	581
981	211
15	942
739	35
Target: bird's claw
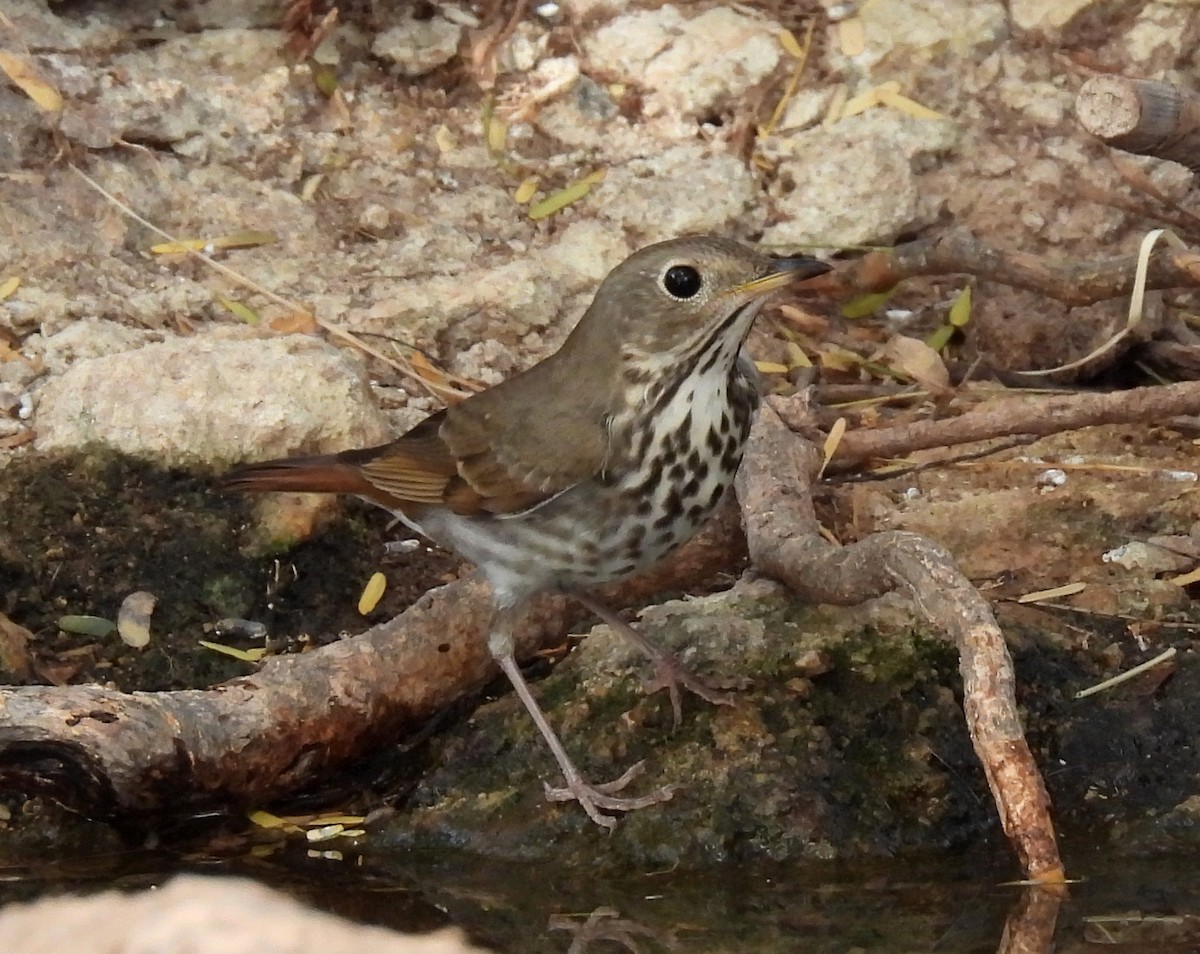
596	798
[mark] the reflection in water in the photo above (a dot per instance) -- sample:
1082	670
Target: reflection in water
952	903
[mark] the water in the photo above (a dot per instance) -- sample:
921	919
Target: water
960	903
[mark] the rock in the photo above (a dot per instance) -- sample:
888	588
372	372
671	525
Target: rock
854	182
147	95
195	915
686	189
418	46
82	339
212	399
1050	17
1162	35
687	67
900	33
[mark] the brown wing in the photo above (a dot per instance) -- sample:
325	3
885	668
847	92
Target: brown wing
482	457
416	468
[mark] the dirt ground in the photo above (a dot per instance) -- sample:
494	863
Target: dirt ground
383	177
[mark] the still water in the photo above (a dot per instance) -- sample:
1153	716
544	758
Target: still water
960	903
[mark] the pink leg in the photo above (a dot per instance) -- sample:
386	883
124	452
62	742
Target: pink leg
669	672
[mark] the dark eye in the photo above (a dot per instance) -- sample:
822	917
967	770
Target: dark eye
681	281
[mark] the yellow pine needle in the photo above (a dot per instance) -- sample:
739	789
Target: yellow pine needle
8	286
557	201
246	238
245	655
895	100
1067	589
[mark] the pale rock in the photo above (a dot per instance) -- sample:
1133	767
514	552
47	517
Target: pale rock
584	253
1050	17
32	306
39	29
626	46
580	10
521	51
921	30
200	915
804	109
854	182
1159	36
1047	103
685	189
418	46
214	398
687	66
247	92
502	301
83	339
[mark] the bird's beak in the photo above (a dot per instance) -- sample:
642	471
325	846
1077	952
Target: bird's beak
784	271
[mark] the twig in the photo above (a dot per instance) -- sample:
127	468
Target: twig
1127	675
958	252
1143	117
1039	416
785	543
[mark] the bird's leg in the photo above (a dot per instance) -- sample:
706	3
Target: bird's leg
595	798
669	672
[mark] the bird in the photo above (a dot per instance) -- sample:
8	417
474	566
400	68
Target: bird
590	465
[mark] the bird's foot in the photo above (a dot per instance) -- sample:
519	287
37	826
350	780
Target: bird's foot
674	676
669	672
597	798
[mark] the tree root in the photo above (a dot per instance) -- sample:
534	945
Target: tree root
786	544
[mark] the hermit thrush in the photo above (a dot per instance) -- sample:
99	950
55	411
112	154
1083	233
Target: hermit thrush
592	464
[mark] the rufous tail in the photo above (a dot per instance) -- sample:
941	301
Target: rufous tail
317	475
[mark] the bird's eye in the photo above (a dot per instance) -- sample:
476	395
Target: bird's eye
681	281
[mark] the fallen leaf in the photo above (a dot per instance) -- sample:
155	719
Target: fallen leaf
294	323
831	444
30	81
86	625
15	658
915	359
526	189
372	593
244	312
852	36
133	619
860	306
